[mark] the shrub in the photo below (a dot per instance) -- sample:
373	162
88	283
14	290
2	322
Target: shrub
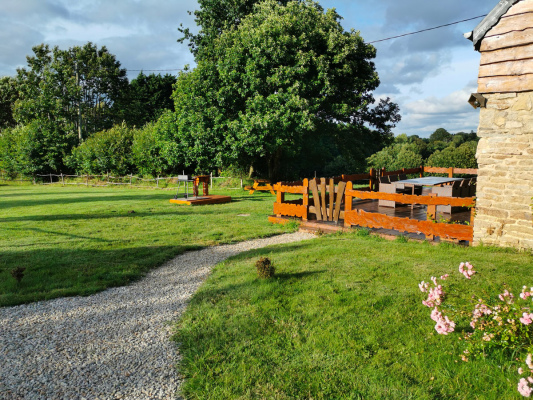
105	151
18	273
265	268
496	322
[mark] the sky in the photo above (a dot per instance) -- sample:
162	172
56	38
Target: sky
429	75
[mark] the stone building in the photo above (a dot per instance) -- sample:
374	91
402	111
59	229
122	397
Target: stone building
505	151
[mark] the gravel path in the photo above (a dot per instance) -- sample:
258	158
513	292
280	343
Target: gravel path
112	345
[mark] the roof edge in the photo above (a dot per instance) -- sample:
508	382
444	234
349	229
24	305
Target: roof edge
489	21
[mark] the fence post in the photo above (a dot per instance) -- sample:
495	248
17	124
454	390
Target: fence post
62	179
131	175
211	179
347	202
421	171
51	178
305	201
450	172
87	180
241	183
372	182
157	181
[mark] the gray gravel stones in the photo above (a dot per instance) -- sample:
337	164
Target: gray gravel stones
112	345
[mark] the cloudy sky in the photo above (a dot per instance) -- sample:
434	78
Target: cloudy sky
430	75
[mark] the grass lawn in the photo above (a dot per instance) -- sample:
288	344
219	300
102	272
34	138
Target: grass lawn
78	240
342	319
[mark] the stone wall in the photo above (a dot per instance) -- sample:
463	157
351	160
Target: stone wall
505	182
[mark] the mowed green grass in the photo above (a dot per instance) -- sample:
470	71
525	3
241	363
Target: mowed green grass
78	240
342	319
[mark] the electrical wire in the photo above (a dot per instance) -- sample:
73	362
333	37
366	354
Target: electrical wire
375	41
428	29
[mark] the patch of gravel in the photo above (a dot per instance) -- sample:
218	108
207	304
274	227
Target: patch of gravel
111	345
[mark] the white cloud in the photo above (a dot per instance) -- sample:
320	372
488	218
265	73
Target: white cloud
452	112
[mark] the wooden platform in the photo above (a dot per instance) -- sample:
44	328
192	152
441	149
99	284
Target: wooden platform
197	201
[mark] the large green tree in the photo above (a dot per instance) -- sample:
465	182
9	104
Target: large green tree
278	82
8	96
80	89
149	96
212	18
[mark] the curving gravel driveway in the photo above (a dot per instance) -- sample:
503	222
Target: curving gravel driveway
111	345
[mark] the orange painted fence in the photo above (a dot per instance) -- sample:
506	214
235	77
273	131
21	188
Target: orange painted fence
451	171
330	194
430	228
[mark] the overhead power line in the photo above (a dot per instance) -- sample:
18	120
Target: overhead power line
428	29
375	41
158	70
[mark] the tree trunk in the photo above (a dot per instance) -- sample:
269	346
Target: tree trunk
274	165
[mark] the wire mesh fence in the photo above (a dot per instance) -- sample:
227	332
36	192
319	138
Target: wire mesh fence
135	181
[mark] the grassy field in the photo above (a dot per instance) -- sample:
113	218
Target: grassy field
77	240
342	319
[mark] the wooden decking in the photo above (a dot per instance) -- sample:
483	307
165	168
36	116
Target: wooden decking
196	201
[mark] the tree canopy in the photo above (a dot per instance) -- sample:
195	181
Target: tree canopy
278	82
149	96
214	17
412	151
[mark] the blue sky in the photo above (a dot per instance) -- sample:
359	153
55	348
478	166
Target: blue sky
430	75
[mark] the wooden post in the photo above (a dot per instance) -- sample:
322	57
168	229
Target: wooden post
51	178
431	215
331	198
372	183
211	179
87	180
450	172
305	201
323	199
348	202
421	171
62	179
131	176
157	181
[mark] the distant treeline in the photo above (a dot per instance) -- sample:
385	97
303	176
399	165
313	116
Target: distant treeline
441	149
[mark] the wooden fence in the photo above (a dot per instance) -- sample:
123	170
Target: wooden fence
330	200
326	192
429	227
430	170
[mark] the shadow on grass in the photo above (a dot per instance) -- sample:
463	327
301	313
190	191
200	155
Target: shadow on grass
89	199
52	273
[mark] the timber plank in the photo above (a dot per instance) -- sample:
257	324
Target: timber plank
340	195
520	8
291	210
412	199
323	205
331	199
508	54
505	84
316	200
511	39
511	23
509	68
428	228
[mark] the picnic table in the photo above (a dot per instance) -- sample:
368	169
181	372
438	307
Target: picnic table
412	185
261	185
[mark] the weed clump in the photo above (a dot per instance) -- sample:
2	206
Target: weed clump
18	273
265	268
